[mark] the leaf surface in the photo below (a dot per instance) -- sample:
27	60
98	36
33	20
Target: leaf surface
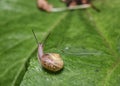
87	41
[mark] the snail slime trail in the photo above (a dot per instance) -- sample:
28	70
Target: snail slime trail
50	61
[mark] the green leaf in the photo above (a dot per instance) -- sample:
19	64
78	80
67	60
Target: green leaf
87	41
17	19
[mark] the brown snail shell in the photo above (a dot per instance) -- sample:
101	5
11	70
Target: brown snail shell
50	61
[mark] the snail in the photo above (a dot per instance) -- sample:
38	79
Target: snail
50	61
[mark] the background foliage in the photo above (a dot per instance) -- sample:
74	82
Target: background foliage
89	43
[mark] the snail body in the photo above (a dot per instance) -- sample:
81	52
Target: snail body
50	61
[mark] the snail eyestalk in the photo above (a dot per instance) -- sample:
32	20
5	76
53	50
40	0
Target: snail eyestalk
35	37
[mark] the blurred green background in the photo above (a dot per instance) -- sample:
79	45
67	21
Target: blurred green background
88	42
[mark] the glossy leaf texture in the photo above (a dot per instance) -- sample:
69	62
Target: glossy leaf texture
87	41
